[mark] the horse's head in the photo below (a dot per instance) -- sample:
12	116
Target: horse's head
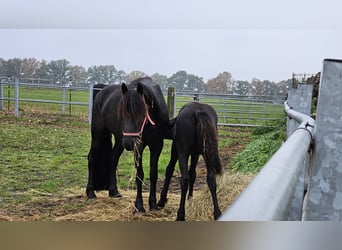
134	115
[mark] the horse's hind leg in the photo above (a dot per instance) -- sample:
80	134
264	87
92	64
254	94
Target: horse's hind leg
168	175
192	174
211	181
116	153
100	148
90	186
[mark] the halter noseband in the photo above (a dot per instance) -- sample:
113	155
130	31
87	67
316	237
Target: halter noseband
147	118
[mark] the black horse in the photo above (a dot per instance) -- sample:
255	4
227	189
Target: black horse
136	115
195	134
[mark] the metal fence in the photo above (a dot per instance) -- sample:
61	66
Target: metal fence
269	195
302	180
233	110
11	95
238	110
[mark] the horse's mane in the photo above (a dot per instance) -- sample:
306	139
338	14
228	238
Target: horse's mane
132	104
153	98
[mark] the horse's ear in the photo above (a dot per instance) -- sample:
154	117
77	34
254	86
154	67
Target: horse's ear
140	88
124	88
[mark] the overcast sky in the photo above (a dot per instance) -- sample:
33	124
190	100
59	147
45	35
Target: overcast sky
266	39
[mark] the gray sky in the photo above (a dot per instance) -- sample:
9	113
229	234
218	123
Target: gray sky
265	39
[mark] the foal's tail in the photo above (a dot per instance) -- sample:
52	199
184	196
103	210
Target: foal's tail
207	140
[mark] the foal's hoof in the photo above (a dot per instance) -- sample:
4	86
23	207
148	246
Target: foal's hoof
217	215
113	194
161	204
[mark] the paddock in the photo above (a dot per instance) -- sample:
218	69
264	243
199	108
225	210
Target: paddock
307	203
45	182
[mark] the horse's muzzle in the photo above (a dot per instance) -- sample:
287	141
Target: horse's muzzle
128	143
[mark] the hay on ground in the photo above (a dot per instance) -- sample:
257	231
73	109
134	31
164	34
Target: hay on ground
229	187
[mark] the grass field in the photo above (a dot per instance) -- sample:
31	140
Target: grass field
47	154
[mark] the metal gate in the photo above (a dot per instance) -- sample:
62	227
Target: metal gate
238	110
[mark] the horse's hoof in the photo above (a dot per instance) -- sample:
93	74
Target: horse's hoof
180	219
161	205
91	195
139	211
180	216
155	208
113	194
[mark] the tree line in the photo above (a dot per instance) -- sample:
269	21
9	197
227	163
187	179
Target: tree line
62	72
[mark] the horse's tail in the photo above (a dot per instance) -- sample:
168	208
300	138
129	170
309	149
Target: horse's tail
207	140
97	88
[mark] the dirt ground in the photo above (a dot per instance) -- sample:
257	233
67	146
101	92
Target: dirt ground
74	206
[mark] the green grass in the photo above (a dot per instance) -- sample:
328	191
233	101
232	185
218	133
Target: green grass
266	142
41	157
48	155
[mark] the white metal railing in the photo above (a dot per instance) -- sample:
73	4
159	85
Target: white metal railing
269	195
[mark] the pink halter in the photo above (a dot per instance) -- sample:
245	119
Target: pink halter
147	118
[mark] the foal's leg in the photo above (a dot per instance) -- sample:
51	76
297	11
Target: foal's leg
211	181
183	166
116	153
192	174
168	175
155	151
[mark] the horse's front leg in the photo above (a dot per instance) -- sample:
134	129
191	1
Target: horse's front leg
155	151
139	204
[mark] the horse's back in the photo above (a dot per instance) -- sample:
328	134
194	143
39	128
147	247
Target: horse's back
105	107
188	137
147	81
191	109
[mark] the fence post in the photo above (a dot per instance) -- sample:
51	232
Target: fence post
63	99
171	104
70	86
16	97
324	200
1	96
300	100
90	109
